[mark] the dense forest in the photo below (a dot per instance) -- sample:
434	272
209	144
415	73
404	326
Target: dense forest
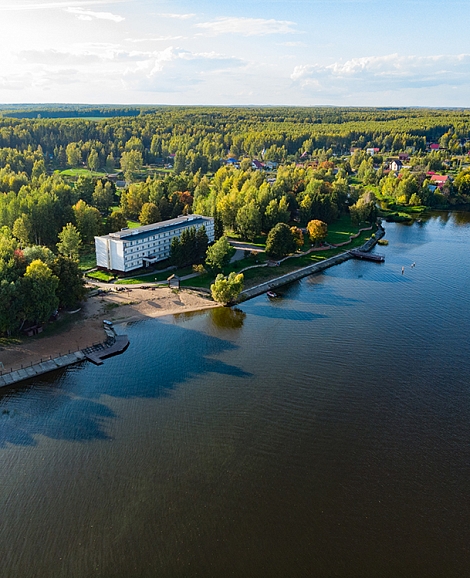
68	173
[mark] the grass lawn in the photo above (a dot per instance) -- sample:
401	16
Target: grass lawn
87	261
342	229
133	224
203	281
101	276
260	240
156	277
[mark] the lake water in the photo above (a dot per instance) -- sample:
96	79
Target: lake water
323	434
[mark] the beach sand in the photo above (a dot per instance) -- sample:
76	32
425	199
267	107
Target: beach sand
87	329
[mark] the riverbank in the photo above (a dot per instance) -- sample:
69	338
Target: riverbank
133	303
86	327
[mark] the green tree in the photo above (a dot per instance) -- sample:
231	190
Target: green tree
22	230
317	230
74	154
149	214
89	221
69	242
298	237
84	188
93	160
131	163
249	221
190	248
227	289
365	209
36	252
9	303
71	286
110	163
38	286
280	241
116	221
103	196
218	255
180	162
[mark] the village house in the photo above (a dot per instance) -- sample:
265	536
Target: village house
396	165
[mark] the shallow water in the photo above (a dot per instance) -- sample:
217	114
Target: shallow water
326	433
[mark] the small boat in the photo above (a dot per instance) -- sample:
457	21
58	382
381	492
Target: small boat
272	295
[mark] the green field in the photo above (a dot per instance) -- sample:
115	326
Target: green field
81	172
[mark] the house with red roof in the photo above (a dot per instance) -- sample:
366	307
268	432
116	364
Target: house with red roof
440	180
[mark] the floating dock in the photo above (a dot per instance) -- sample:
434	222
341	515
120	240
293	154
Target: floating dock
357	254
99	352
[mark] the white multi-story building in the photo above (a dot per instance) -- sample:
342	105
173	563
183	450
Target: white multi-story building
131	249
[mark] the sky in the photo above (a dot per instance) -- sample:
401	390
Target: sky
206	52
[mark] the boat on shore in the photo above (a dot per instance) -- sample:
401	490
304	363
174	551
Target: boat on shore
272	294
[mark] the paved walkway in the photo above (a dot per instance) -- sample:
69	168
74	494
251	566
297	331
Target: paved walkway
314	268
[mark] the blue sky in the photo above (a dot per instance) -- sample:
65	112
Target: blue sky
302	52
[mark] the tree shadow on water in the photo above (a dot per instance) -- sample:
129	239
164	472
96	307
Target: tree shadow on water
50	412
162	356
68	404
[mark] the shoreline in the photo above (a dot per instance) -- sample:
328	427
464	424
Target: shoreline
87	330
136	304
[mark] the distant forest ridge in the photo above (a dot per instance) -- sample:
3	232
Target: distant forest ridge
68	111
275	133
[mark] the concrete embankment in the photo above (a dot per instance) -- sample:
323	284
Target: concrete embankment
96	354
41	368
314	268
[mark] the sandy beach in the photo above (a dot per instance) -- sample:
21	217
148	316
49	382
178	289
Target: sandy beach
128	305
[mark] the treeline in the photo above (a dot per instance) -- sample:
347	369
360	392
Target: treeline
34	283
203	136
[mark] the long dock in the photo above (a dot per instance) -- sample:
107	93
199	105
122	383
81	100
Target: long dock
41	368
95	354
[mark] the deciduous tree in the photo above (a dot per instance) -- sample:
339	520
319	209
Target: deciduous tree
227	289
317	230
69	242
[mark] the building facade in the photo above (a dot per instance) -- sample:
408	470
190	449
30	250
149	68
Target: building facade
131	249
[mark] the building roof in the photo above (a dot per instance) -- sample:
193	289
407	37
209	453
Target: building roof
145	230
440	178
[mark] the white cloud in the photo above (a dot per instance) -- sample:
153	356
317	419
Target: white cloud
248	26
51	5
291	44
176	69
391	72
177	16
155	39
90	15
56	57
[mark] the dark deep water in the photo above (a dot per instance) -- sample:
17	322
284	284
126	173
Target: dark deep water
324	434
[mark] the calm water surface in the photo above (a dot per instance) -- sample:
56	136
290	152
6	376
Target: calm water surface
323	434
